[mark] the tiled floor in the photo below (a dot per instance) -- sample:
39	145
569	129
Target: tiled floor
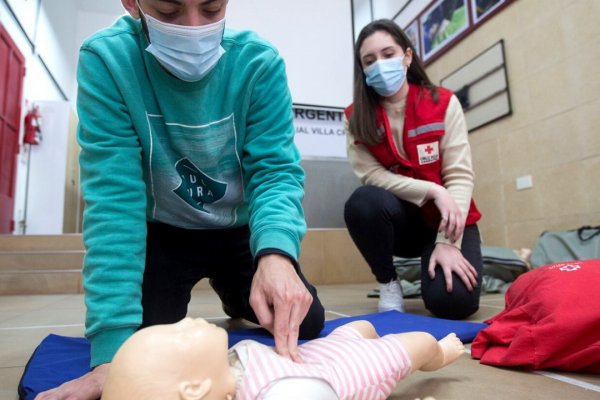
26	320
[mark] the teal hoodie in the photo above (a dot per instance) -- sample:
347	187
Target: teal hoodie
212	154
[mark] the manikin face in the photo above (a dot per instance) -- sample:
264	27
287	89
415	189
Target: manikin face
381	45
203	346
185	360
179	12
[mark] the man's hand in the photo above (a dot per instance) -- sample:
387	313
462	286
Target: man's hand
280	301
451	260
88	387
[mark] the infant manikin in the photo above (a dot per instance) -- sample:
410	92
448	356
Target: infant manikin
189	360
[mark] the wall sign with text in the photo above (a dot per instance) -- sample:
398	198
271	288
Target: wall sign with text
319	131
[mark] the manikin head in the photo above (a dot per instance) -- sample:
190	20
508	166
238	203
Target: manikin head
182	361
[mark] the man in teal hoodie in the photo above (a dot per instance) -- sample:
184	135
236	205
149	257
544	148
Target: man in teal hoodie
189	171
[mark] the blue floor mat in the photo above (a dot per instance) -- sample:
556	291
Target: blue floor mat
58	359
384	323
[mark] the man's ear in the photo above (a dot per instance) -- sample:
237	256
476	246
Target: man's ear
132	7
194	390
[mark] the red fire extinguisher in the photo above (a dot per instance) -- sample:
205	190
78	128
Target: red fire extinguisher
33	126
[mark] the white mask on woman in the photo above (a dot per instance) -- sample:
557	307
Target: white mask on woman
386	76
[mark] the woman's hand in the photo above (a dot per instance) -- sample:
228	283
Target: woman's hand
451	260
452	224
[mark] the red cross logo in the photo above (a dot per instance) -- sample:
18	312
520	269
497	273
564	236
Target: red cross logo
428	149
570	267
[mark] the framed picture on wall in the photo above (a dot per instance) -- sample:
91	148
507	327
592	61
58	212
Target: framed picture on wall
481	86
483	8
443	21
412	31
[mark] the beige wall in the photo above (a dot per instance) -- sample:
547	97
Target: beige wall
73	212
552	52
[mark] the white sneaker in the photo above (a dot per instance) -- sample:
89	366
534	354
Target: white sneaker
390	296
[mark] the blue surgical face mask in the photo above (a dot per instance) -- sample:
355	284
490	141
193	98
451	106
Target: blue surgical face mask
386	76
188	52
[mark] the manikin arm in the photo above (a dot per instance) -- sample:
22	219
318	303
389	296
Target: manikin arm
424	351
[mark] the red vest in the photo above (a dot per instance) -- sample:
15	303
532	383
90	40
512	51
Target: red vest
423	130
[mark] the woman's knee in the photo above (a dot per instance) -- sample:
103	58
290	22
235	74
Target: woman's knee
361	197
365	201
452	305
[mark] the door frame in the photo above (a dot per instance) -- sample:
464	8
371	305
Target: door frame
10	125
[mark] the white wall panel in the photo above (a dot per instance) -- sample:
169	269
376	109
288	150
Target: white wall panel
315	39
54	40
26	13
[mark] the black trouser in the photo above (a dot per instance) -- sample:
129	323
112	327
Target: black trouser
176	259
381	226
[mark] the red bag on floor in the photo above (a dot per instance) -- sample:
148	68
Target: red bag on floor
551	321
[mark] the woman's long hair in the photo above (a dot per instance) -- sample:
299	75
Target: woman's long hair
362	121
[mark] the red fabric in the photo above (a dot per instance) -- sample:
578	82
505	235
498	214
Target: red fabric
423	128
551	321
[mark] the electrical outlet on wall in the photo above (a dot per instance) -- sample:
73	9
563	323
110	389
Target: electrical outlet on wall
524	182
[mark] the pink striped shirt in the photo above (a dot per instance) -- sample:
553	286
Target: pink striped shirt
355	367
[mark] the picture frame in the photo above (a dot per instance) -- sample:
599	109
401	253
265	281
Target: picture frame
482	87
441	23
412	31
481	9
471	15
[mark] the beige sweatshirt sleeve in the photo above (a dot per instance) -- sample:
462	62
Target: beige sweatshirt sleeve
457	170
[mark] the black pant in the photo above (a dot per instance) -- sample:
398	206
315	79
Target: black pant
176	259
381	225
